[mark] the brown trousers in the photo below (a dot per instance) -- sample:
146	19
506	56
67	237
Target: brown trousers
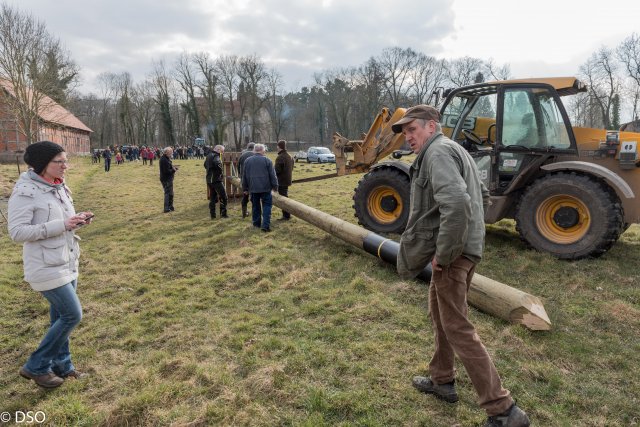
455	334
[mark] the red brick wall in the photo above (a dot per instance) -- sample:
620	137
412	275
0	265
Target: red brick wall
74	141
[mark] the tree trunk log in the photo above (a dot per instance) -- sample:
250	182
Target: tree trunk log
485	294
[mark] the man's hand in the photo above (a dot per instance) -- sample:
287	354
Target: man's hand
434	265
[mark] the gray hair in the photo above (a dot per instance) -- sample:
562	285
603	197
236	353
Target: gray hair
167	149
438	125
218	148
251	145
258	148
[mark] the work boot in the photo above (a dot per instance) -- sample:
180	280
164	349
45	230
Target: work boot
213	215
48	380
446	392
512	417
244	211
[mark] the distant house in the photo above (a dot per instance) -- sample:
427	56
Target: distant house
55	123
243	127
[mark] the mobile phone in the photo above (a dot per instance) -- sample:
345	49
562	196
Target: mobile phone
80	224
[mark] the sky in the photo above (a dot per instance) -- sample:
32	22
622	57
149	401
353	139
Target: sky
302	37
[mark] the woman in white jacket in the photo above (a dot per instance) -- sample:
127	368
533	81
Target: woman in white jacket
42	216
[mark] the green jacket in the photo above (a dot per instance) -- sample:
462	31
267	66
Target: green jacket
446	214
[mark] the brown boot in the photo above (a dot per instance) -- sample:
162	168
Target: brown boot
48	380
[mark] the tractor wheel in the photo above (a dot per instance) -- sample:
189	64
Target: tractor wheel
381	200
570	216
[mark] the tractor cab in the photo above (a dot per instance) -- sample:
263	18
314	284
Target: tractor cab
511	128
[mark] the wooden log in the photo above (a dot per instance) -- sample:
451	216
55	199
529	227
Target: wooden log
485	294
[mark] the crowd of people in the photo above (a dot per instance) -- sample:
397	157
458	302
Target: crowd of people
445	230
146	154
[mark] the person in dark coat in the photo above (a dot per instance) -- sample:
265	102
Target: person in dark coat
243	157
167	171
284	171
215	182
258	179
107	159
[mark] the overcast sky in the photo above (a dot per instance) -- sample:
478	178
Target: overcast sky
301	37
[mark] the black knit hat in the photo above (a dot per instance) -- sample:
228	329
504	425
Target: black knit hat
39	154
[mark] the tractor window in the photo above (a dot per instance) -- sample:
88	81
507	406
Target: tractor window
518	124
555	131
533	120
479	118
452	114
482	115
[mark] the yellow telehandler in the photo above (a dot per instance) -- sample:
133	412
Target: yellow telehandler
571	190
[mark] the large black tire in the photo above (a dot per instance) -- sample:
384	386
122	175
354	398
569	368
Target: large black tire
570	216
381	200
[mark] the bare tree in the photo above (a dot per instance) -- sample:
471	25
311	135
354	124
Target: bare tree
338	90
497	72
369	92
463	71
396	66
125	107
162	84
275	103
427	75
30	62
107	131
186	77
230	84
212	116
252	73
144	113
628	52
600	73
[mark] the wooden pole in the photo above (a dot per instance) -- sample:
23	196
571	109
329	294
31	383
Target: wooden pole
485	294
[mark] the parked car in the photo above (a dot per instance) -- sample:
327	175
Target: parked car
300	155
320	155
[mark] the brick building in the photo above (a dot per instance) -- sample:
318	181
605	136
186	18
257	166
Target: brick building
54	123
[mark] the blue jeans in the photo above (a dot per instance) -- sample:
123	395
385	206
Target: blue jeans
261	206
53	354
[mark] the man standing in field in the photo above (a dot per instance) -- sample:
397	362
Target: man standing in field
258	179
167	171
215	179
107	159
446	228
284	172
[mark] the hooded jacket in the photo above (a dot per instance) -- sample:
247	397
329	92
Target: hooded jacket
37	211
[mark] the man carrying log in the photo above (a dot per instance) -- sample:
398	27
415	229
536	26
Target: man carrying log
446	227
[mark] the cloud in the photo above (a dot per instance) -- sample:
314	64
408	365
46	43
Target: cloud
299	38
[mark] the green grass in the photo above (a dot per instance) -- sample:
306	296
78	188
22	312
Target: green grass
189	321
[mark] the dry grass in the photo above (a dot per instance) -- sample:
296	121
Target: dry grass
193	322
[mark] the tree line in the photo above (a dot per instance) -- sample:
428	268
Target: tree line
233	99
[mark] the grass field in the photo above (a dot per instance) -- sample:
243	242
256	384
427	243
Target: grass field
194	322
